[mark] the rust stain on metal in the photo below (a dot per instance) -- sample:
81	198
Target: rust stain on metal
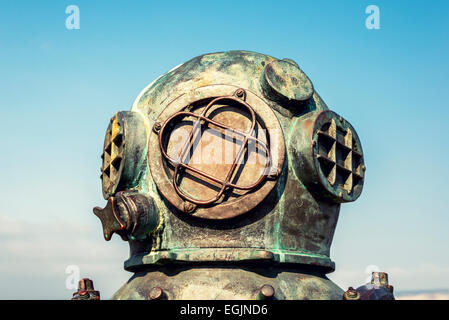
86	291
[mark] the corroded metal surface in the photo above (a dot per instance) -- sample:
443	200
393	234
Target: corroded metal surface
377	289
211	216
351	294
129	214
86	291
229	283
284	82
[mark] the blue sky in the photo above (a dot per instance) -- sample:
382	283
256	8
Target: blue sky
59	87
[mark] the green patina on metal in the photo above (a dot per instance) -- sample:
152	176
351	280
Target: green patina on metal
278	231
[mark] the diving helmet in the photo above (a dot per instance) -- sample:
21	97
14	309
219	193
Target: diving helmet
226	178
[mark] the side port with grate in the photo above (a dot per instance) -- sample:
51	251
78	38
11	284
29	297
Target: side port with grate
112	157
340	158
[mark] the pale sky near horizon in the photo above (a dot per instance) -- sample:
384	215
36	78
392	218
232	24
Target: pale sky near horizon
59	87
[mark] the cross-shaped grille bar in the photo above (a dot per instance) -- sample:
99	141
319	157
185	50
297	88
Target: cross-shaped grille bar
339	156
226	183
112	155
